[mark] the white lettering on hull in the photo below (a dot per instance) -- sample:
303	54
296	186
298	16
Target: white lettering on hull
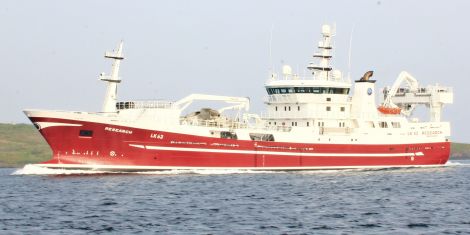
117	130
156	136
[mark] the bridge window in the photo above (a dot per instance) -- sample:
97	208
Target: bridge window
311	90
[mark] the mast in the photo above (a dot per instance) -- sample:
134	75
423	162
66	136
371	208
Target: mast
322	69
109	104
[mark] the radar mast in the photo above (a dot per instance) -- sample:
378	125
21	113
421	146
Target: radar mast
322	70
109	104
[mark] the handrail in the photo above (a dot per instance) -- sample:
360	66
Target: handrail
145	104
232	125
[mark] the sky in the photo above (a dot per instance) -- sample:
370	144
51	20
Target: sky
51	52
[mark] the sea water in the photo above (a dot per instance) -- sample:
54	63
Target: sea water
436	200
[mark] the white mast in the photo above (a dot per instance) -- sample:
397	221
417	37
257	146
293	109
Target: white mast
112	80
321	70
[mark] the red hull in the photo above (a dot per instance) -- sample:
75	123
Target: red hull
115	146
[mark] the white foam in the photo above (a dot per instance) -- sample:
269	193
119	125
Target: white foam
205	172
32	169
458	163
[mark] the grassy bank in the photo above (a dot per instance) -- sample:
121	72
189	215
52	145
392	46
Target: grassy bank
22	144
460	151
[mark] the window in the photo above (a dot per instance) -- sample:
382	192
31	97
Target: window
328	99
125	105
85	133
289	108
342	109
261	137
308	124
285	108
328	108
276	108
395	124
314	90
298	108
228	135
383	125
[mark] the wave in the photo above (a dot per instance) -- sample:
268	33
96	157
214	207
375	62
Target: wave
32	169
458	163
206	172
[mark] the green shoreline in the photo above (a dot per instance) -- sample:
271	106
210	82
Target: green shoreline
22	144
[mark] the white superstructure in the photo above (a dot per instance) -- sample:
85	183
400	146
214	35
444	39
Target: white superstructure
313	109
310	123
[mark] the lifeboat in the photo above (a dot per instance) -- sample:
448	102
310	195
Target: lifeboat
389	110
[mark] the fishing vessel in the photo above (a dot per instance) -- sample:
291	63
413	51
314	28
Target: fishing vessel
310	122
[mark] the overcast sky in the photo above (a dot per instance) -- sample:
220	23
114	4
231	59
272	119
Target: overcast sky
51	52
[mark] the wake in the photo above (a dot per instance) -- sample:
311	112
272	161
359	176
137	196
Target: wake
464	163
31	169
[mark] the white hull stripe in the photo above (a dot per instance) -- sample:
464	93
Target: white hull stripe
162	168
43	125
277	153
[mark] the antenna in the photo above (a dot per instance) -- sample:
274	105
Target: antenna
349	52
270	51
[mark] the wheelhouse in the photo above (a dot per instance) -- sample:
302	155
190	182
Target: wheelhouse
308	90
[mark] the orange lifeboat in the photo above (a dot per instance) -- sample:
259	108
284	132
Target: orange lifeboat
389	110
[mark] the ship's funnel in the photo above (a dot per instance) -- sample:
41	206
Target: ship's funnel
363	100
367	75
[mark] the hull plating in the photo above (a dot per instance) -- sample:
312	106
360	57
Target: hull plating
118	147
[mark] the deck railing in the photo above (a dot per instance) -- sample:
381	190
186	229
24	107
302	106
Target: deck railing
145	104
